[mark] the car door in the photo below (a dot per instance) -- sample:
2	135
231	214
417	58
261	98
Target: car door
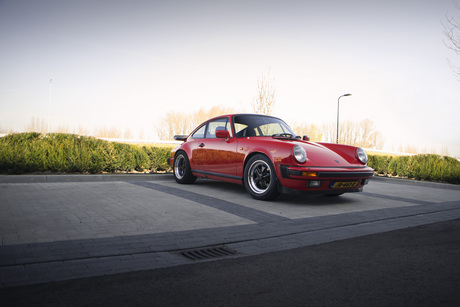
212	155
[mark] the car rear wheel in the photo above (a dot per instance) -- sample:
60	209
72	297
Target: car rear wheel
182	171
260	178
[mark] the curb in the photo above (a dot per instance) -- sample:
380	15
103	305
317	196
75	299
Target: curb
144	177
80	178
437	185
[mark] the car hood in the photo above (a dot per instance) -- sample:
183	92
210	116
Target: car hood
322	156
319	155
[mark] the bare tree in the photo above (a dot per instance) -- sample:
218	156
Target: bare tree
265	99
328	131
174	123
181	123
64	128
202	114
312	131
81	130
36	125
452	34
128	134
5	130
362	134
370	138
112	132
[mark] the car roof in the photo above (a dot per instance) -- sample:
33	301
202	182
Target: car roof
240	114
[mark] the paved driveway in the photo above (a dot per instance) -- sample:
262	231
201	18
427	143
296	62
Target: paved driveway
67	227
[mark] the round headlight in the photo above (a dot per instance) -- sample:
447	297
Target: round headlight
362	155
299	153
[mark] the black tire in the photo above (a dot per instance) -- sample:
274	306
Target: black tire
260	178
181	168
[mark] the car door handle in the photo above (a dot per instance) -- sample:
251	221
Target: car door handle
201	145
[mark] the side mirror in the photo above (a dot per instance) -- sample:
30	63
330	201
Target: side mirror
222	134
306	138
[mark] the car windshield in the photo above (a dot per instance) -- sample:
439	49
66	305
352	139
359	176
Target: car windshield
260	125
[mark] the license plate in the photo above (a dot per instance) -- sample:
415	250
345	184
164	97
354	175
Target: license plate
344	185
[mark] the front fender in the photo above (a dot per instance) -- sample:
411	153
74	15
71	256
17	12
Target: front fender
279	153
347	152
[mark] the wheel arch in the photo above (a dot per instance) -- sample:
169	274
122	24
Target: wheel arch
185	175
262	152
185	148
256	152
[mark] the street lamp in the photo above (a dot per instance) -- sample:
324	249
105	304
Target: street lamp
49	106
338	101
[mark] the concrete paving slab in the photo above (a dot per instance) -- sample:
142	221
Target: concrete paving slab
79	210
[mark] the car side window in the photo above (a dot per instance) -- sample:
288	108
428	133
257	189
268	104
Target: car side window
199	134
215	125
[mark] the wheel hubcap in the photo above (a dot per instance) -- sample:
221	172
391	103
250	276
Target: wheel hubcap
179	167
259	177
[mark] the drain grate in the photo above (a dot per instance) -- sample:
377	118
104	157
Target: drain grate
207	253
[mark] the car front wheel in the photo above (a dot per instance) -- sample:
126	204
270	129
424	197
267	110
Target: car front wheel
260	178
182	171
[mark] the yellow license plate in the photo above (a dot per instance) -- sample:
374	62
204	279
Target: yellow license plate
344	185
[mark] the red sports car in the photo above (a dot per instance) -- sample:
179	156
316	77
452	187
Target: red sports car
265	155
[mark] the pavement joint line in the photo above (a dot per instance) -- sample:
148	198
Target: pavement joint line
397	198
352	231
223	205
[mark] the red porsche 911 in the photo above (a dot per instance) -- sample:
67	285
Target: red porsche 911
267	157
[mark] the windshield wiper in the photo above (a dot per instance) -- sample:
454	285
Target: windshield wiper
285	135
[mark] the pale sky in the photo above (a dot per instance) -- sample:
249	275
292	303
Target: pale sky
127	63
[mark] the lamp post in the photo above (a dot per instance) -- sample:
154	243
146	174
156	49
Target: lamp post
49	106
338	101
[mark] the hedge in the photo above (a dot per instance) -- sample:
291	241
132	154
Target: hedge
420	167
68	153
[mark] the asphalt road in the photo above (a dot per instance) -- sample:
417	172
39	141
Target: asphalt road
118	241
416	266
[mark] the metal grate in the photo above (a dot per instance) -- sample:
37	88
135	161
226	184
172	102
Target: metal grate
207	253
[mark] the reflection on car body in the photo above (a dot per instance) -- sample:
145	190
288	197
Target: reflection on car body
267	157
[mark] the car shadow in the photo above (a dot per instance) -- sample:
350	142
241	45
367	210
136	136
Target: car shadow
302	199
221	185
289	198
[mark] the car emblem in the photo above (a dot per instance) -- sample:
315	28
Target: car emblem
336	161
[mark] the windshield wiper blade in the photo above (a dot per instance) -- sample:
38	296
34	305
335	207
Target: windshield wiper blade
284	135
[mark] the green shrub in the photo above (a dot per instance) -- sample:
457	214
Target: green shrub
419	167
67	153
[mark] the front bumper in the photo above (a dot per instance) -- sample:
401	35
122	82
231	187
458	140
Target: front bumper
325	172
325	179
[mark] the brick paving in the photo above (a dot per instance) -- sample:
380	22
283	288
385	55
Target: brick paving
65	227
